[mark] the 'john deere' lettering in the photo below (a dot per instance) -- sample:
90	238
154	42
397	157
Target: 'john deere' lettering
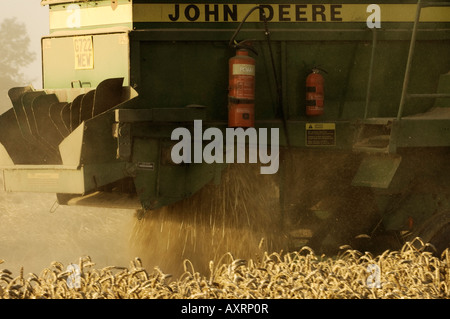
276	13
206	13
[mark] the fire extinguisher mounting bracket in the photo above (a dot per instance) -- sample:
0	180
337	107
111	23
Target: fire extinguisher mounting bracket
317	69
246	45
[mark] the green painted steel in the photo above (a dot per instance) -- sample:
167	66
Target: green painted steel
62	64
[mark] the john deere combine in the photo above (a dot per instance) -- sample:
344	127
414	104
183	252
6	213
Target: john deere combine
358	93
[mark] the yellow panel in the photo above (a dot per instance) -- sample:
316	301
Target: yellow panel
165	12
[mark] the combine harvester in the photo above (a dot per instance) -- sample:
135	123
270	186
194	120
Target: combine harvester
345	104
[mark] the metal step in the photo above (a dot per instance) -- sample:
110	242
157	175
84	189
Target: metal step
373	136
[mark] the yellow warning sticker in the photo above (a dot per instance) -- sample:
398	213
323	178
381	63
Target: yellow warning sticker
320	134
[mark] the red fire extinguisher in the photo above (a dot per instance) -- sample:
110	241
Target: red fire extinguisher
314	93
241	90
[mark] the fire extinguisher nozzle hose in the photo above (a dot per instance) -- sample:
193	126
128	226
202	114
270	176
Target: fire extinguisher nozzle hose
232	40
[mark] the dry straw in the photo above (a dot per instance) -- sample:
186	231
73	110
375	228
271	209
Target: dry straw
408	273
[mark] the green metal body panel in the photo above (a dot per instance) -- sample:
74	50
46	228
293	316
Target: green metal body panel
173	58
344	54
109	51
334	36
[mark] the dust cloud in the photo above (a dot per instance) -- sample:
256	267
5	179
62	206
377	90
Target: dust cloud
241	217
33	237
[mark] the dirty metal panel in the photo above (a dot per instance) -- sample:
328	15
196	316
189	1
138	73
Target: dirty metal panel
75	110
55	112
44	124
431	129
63	179
27	102
107	200
186	114
87	104
376	171
122	131
107	58
15	94
70	148
44	180
107	95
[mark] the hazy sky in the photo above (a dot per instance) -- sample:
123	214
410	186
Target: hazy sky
35	18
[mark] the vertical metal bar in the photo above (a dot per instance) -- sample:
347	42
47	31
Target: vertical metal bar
135	61
408	63
284	81
369	81
286	159
350	67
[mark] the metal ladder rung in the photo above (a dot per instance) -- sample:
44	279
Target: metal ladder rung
371	150
436	4
429	95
